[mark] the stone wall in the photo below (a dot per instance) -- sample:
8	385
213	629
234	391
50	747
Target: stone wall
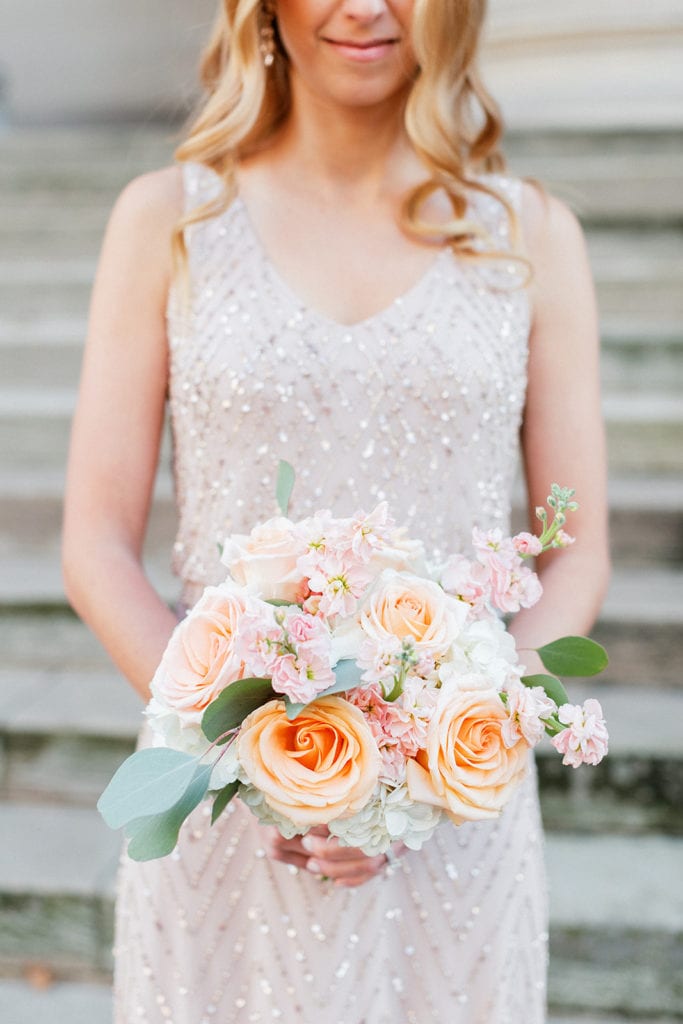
612	63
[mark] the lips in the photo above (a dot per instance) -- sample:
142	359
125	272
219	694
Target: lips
366	45
362	50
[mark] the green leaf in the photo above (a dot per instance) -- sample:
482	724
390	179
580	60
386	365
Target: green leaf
232	706
156	835
573	656
552	686
347	677
149	782
224	797
285	485
279	602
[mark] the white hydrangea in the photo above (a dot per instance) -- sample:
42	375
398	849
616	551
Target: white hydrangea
171	730
389	817
485	647
257	804
408	821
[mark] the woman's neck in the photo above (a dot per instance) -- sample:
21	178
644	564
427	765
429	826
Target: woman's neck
343	148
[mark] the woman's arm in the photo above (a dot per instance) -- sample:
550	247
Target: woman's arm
563	436
117	429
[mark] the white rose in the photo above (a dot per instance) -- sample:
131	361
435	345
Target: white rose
265	560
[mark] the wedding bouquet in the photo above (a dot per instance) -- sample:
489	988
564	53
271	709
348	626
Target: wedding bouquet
336	679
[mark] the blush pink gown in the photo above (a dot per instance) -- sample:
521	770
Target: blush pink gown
419	404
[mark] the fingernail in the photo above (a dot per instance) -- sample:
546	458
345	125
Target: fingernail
308	843
313	867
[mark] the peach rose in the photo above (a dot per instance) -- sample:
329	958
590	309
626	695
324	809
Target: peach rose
265	560
323	765
409	607
200	659
466	767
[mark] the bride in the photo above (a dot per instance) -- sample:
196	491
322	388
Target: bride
337	271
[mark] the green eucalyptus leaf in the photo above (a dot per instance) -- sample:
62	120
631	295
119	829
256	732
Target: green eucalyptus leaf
149	782
573	656
222	800
552	686
156	835
285	485
348	676
279	602
232	706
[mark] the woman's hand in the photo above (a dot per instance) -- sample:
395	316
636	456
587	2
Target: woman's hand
323	855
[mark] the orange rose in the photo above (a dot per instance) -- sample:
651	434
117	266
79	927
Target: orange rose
466	767
321	766
200	658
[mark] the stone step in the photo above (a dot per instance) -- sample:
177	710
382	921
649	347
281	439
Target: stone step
644	430
581	168
611	897
646	517
63	734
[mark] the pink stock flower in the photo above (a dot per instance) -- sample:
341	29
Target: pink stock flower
585	740
290	647
393	768
340	583
491	546
370	532
468	581
379	660
301	676
512	589
258	639
526	707
527	544
563	539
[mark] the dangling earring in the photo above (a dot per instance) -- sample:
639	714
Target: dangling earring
267	33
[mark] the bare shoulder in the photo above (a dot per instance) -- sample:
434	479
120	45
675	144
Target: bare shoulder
548	224
141	224
152	202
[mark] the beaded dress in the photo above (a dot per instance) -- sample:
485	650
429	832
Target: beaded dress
419	404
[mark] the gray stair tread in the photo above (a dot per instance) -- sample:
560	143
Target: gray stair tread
65	851
604	882
617	883
65	1003
653	596
70	702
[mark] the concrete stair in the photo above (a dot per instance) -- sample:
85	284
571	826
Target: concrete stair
615	834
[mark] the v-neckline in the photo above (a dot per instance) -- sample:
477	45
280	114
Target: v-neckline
312	312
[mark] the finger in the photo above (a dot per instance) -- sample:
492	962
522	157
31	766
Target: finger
338	869
330	849
297	860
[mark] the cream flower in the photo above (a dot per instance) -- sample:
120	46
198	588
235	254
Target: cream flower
405	606
265	560
201	658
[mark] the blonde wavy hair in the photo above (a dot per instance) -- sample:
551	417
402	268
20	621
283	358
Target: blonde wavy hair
451	120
